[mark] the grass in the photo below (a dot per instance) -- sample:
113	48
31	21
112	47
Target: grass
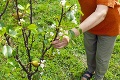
68	65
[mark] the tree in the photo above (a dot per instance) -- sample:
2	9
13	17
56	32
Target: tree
25	36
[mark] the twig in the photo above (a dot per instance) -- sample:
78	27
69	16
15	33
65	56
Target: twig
4	8
19	61
7	39
34	71
25	37
32	42
17	10
68	10
31	21
57	31
30	1
29	33
43	44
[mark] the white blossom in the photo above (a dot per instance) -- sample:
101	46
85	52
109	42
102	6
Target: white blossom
75	7
62	2
61	29
41	73
58	51
43	61
22	20
60	34
74	21
53	26
53	53
71	14
51	33
42	65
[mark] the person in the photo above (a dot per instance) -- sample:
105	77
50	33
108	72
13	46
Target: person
100	26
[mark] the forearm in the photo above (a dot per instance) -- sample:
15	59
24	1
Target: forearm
93	20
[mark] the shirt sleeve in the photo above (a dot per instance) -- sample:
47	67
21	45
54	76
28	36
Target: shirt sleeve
109	3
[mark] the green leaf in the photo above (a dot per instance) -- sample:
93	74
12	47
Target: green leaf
45	41
71	34
2	32
81	12
11	61
12	33
27	11
7	51
27	6
20	7
35	59
33	28
1	25
40	29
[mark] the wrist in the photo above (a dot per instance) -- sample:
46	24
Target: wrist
76	31
67	38
79	29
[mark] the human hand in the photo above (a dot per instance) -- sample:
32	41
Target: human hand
61	43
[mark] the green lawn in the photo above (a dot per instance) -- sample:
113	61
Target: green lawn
68	63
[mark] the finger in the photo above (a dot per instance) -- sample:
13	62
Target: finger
57	38
56	42
60	45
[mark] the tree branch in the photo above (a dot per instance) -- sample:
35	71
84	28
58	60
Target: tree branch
34	71
68	10
4	8
25	37
32	42
43	44
30	1
7	39
57	31
19	61
17	10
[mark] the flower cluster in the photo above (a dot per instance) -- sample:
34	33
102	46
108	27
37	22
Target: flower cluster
63	2
71	14
42	65
57	51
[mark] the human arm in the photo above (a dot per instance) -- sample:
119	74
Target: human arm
94	19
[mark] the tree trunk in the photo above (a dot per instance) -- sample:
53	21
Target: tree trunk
29	77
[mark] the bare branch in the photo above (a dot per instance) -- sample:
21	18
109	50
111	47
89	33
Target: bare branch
19	61
68	10
57	31
34	71
25	37
17	10
4	8
32	42
43	45
30	1
7	39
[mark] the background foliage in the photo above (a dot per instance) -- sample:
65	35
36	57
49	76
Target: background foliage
64	64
